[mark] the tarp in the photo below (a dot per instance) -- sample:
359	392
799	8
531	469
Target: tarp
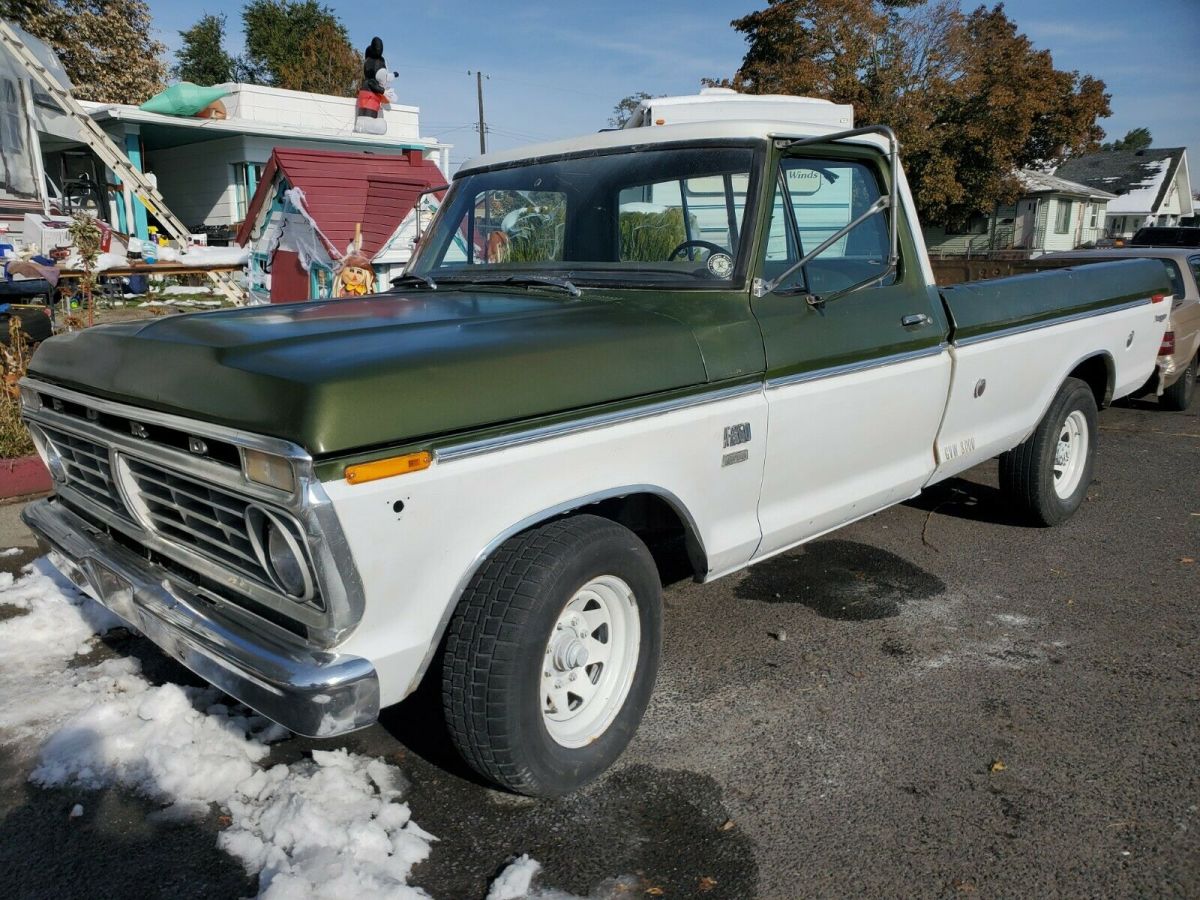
183	99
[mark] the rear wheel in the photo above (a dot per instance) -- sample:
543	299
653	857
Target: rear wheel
552	654
1179	395
1047	476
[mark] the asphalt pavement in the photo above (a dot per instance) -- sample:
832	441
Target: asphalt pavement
936	701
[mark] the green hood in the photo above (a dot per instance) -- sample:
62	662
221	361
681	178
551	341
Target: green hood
350	374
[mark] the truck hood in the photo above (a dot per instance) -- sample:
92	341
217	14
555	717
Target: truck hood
348	374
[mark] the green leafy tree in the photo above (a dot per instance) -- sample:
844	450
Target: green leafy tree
202	58
284	35
1135	139
969	96
104	45
325	64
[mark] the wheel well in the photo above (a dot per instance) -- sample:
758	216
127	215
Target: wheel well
1099	374
672	540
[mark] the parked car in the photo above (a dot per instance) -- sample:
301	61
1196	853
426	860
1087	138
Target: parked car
707	342
1174	378
1163	236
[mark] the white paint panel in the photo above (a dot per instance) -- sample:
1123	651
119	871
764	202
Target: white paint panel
840	448
412	563
1024	371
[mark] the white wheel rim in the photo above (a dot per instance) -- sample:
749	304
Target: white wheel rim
590	660
1070	454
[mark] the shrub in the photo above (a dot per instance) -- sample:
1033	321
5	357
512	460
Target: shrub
14	360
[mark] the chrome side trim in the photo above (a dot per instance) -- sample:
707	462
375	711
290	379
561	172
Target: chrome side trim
860	366
591	423
314	693
695	544
1049	323
341	585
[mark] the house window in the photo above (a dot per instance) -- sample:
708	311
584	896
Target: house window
1062	217
974	224
1093	214
16	175
245	181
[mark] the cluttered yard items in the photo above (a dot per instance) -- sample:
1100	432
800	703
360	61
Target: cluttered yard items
47	239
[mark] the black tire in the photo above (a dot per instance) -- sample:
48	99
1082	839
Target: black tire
1178	396
496	646
1027	471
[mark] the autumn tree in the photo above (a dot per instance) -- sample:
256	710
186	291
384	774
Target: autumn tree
969	96
104	45
1135	139
299	44
202	58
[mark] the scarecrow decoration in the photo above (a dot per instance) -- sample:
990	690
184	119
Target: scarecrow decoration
355	275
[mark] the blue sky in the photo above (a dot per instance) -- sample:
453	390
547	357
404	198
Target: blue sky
557	68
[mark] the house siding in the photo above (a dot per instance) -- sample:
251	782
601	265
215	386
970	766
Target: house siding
197	180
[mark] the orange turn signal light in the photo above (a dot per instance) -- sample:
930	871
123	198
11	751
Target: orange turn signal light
386	468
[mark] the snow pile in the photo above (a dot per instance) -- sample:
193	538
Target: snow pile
38	688
329	827
515	881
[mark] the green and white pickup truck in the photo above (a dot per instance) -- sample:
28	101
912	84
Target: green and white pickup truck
710	341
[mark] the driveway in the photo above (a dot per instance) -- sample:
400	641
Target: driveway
935	701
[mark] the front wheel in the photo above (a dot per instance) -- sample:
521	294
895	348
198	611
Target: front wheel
551	655
1179	395
1047	476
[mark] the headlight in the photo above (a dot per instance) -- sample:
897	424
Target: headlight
280	553
269	469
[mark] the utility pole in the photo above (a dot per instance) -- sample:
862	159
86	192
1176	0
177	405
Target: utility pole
479	76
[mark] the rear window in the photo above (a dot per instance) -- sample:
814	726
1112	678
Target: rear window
1167	237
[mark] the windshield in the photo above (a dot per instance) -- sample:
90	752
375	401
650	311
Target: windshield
640	219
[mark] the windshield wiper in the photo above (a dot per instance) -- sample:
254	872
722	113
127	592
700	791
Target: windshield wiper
521	281
413	278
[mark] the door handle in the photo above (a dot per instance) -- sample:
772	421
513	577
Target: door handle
917	319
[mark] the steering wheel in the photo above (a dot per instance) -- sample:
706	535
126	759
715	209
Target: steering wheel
707	245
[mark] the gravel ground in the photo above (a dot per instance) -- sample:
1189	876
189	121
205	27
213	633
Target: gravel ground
935	701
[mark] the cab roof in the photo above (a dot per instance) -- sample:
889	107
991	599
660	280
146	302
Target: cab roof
759	129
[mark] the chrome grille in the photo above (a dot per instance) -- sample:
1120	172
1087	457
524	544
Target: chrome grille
207	521
88	469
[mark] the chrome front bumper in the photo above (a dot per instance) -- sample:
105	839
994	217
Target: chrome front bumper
311	692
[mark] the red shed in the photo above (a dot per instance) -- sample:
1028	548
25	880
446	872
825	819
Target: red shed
311	207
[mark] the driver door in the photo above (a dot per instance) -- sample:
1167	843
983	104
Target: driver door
856	386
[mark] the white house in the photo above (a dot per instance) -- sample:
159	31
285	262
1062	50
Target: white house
207	169
1052	213
1153	186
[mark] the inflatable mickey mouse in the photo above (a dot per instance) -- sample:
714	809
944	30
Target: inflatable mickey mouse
375	93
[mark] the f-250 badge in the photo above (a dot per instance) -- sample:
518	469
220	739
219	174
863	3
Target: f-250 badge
737	434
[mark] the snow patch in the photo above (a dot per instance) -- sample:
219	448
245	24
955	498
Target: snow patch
329	827
514	882
324	828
